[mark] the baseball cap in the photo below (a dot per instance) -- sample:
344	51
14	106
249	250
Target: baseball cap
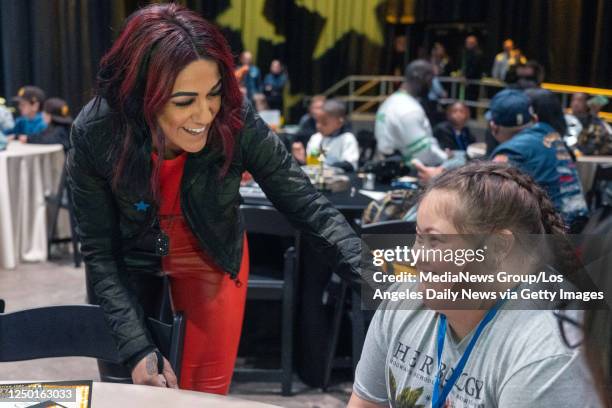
30	94
598	100
58	109
510	108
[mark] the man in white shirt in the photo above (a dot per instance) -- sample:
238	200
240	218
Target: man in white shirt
401	123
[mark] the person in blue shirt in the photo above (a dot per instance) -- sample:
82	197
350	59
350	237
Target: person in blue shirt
537	149
30	100
56	115
252	78
274	85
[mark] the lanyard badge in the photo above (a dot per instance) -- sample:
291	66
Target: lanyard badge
440	393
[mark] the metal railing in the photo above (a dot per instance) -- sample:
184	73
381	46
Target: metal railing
364	93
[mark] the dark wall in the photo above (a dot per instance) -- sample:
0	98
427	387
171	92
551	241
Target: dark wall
571	38
57	44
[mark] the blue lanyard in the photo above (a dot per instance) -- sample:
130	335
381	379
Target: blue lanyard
438	399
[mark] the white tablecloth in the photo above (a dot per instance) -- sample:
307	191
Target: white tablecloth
587	166
28	172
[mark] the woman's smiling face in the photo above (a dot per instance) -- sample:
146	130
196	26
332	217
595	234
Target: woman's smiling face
187	117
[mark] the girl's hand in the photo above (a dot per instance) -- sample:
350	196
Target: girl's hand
146	373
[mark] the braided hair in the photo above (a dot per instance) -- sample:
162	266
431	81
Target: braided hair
496	196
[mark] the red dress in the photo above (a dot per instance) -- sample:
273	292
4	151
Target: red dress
212	303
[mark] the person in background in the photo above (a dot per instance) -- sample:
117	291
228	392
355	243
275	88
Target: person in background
505	59
595	104
334	139
519	76
274	85
308	122
6	122
577	111
525	75
547	107
250	74
57	117
539	150
453	134
401	123
432	105
593	134
472	66
6	117
398	54
260	102
30	100
439	58
578	105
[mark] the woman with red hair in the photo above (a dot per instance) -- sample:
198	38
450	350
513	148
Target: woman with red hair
154	171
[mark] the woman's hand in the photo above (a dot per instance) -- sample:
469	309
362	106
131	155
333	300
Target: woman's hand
145	373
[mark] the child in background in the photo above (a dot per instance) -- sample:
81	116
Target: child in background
453	134
30	100
56	116
333	138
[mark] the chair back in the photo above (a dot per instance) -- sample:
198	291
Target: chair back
390	227
266	220
56	331
76	331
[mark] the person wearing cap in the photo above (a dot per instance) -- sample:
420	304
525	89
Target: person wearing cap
537	149
595	104
30	100
56	116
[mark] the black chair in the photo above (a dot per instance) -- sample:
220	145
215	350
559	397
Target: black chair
62	200
367	146
352	304
76	331
268	221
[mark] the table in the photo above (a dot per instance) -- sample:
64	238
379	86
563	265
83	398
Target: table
350	203
28	172
587	166
111	395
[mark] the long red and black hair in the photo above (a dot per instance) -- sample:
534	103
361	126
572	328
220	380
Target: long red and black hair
136	78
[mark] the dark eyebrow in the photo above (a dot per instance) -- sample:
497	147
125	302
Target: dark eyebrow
182	93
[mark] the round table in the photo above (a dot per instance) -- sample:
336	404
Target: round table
350	202
28	172
111	395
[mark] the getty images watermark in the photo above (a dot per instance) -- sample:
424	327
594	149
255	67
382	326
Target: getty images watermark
472	271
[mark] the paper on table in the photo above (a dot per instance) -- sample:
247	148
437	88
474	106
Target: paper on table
374	195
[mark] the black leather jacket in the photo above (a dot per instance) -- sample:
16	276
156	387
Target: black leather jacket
111	225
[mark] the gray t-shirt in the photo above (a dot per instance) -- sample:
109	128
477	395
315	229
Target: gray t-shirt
519	360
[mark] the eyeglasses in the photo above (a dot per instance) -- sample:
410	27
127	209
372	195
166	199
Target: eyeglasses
571	328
